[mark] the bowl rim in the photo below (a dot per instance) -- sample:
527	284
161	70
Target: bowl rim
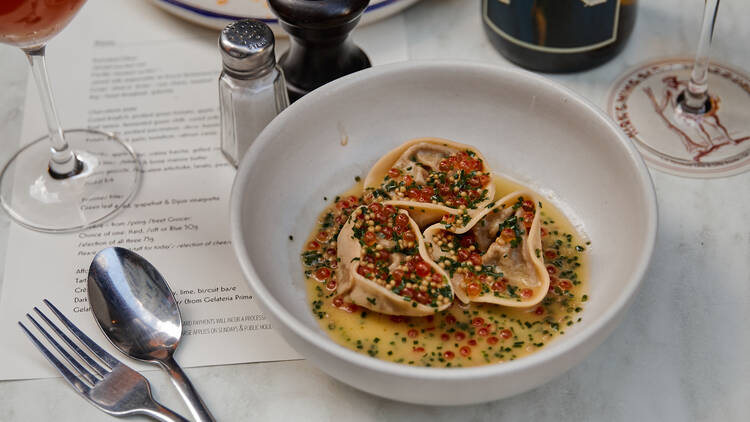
320	340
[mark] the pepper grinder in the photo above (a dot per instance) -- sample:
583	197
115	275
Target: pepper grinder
320	48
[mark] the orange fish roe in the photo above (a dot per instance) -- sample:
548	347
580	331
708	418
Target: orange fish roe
390	256
458	182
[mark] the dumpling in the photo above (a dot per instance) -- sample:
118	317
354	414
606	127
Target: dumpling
384	265
431	177
497	256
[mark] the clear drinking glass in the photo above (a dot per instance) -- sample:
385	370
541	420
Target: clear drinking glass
66	180
687	116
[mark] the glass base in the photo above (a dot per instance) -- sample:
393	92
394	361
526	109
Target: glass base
646	102
109	180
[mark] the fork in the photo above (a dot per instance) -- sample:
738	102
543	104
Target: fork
113	387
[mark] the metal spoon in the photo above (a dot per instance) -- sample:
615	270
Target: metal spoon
138	313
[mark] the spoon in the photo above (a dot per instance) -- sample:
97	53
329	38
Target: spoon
138	313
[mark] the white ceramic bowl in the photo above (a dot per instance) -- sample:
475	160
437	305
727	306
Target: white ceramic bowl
526	126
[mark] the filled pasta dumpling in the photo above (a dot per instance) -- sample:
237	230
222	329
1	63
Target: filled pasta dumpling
384	265
497	256
431	177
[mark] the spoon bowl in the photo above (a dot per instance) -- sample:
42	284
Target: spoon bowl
133	305
136	310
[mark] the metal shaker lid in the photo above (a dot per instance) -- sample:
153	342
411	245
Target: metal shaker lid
247	47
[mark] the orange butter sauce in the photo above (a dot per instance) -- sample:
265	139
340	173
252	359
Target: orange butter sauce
464	335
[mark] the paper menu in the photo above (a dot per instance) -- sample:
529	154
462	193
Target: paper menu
153	80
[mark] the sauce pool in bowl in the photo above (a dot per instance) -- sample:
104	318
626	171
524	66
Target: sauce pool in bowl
465	335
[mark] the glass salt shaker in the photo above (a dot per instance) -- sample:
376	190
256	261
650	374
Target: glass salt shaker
252	90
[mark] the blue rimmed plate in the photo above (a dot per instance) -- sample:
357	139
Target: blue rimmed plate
218	13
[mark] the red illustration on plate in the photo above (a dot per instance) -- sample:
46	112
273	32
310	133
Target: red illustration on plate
701	134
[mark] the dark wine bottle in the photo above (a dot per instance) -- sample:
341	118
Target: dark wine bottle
558	35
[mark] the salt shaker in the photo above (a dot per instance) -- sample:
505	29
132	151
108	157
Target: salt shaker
252	90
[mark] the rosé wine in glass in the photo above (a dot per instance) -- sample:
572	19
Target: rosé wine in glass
28	23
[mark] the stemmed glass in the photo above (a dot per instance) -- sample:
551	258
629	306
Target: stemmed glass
67	180
687	116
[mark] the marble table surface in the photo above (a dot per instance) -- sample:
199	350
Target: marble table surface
681	353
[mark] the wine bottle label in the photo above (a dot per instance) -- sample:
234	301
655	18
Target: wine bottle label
554	26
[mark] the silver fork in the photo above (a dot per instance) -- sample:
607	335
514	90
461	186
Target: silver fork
113	387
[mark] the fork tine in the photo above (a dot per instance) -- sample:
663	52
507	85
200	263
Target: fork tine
85	373
74	381
93	347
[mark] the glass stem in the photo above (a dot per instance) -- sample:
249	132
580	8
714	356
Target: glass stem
63	163
696	97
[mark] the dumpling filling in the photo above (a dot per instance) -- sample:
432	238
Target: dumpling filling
495	258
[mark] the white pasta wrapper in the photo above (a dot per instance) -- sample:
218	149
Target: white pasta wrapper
429	152
522	266
365	292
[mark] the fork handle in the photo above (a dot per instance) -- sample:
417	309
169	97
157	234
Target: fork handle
180	380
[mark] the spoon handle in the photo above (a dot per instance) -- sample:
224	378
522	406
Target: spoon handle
180	380
162	414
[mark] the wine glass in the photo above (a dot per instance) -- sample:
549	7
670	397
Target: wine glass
67	180
687	116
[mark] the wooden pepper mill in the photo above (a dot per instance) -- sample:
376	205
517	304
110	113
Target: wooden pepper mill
320	49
